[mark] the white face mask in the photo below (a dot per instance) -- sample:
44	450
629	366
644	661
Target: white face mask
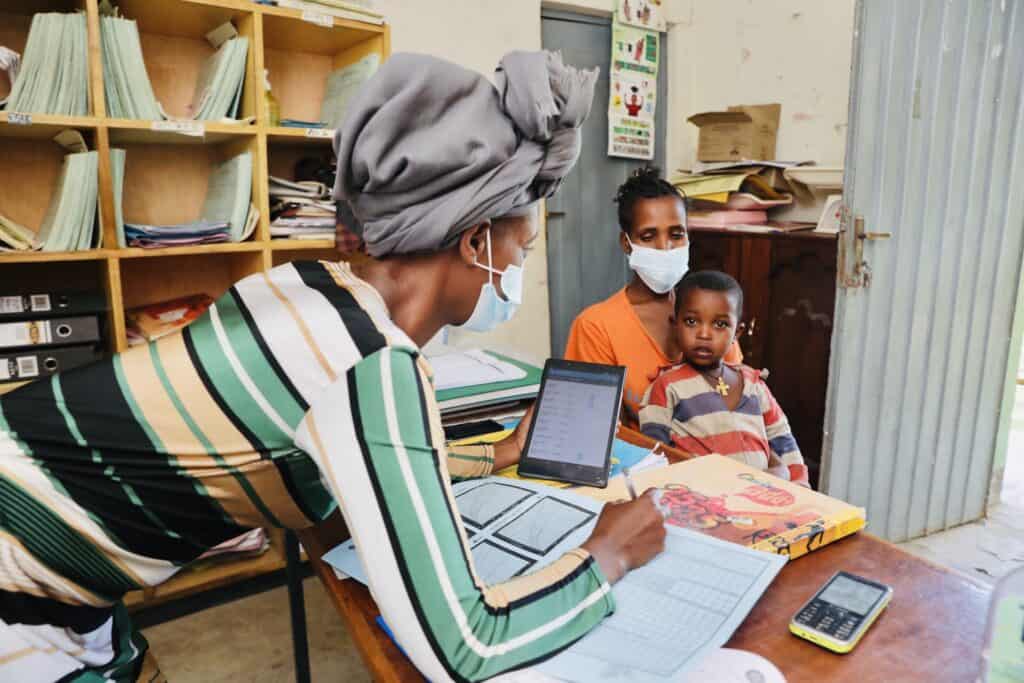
660	269
491	310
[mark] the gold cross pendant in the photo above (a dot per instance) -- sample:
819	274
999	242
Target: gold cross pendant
722	387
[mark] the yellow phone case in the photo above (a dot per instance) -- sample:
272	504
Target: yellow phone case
830	644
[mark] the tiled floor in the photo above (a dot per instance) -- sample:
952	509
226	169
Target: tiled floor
991	548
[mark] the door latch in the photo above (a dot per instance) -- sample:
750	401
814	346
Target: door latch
860	276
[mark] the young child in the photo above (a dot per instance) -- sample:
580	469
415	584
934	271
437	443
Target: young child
705	406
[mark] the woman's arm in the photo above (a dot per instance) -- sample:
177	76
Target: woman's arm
377	439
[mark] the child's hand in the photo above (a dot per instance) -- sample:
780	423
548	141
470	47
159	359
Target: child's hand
627	536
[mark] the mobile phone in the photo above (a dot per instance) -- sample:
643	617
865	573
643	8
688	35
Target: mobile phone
842	610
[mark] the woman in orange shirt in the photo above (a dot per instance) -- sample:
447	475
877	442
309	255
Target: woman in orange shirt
633	327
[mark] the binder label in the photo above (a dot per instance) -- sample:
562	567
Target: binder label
28	366
318	18
16	119
40	303
25	334
12	304
7	369
196	128
319	132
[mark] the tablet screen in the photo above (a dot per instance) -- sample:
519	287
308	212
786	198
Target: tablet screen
577	411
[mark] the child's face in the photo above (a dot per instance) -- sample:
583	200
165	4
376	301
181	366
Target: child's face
706	326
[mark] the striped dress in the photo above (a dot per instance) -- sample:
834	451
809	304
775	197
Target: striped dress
293	394
682	410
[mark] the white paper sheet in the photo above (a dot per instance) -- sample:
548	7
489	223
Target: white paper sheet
471	368
669	614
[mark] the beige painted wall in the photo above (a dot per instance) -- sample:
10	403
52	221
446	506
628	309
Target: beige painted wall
721	52
796	52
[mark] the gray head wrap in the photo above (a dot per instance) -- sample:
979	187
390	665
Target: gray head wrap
430	149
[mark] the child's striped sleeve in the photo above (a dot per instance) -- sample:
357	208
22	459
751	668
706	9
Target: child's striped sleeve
781	441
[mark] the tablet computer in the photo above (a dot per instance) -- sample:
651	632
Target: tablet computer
574	424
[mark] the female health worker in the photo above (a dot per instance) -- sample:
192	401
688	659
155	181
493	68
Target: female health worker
302	390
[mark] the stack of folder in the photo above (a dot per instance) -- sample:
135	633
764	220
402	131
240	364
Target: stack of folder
54	75
464	396
43	334
125	81
300	210
227	216
70	222
733	194
129	92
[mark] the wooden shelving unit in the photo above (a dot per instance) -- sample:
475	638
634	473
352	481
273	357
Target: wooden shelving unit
166	172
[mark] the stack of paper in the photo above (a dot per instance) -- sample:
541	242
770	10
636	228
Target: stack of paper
70	221
184	234
669	614
227	215
219	88
342	86
300	210
16	237
229	194
54	75
10	62
125	81
336	8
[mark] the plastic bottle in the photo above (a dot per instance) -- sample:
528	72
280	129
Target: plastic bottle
1002	659
273	106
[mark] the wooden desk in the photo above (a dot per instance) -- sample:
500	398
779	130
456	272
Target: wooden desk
932	631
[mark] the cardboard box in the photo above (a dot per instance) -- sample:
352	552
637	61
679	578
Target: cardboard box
742	132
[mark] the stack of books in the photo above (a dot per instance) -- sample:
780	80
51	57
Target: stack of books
43	334
54	74
228	214
300	210
129	92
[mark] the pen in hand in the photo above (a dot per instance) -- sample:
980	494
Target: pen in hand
629	484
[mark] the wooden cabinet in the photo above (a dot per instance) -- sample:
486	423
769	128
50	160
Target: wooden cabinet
789	287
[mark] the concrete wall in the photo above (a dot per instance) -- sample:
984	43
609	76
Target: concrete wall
796	52
721	52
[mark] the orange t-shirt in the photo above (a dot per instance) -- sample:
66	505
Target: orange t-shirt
611	332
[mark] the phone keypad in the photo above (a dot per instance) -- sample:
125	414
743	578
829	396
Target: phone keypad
829	619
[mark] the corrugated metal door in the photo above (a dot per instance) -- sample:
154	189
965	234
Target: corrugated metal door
920	357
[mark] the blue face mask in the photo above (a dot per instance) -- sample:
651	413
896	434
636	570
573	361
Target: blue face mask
491	310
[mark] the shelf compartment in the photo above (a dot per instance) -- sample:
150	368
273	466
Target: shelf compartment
15	21
174	47
165	184
300	56
25	195
147	281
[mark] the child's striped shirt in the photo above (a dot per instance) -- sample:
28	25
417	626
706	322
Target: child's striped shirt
683	410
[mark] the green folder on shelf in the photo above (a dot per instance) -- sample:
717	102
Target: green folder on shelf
458	399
